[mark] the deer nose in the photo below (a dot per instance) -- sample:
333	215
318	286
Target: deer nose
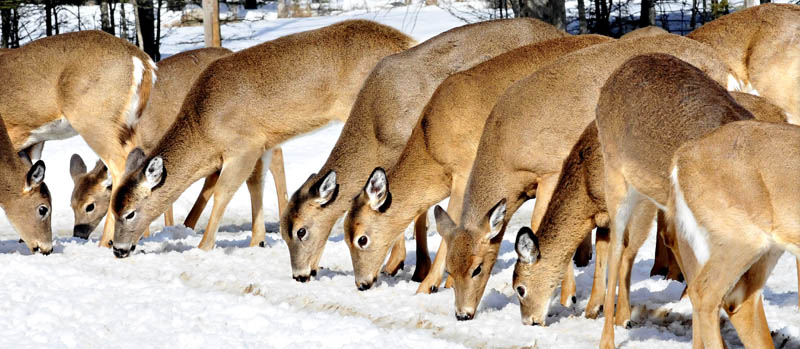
464	316
121	253
301	278
82	231
365	285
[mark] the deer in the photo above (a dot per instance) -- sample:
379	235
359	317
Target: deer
525	140
440	153
760	44
383	117
24	196
92	192
731	191
576	207
86	83
675	102
213	136
651	30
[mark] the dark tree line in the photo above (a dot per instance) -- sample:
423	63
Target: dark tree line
147	23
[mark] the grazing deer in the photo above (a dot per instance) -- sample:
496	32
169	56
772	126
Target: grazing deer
436	161
578	206
92	191
288	92
24	196
88	83
378	129
760	44
735	204
529	133
674	102
651	30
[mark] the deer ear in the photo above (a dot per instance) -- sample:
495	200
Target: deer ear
135	160
101	169
76	167
35	175
377	190
527	246
327	189
444	224
496	217
154	172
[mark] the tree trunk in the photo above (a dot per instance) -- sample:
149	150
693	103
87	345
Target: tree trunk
15	29
105	20
648	13
123	21
750	3
550	11
48	17
145	27
693	20
583	27
158	31
5	16
558	13
603	23
211	23
250	4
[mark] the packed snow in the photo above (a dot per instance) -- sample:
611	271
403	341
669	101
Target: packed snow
169	293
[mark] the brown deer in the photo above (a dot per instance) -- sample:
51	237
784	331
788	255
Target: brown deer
644	32
436	161
288	92
529	133
760	45
88	83
379	127
92	191
578	206
24	196
735	204
675	102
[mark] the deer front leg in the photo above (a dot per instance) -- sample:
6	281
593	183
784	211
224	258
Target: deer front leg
202	200
169	217
599	282
397	257
637	232
235	172
255	185
279	177
108	228
421	238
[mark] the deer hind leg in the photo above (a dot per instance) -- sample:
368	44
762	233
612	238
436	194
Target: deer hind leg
279	177
235	171
621	201
421	237
599	281
202	200
747	314
255	185
636	234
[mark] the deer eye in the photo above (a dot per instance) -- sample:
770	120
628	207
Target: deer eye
43	210
477	270
363	241
90	208
130	215
521	291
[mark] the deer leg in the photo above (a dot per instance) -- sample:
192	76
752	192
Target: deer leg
621	202
255	185
169	217
202	200
423	258
235	171
636	234
748	317
279	177
108	228
397	257
434	278
599	282
797	261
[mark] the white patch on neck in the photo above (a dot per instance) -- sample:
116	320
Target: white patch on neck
53	130
733	83
686	224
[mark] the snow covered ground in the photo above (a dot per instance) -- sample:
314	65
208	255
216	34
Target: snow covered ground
172	294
